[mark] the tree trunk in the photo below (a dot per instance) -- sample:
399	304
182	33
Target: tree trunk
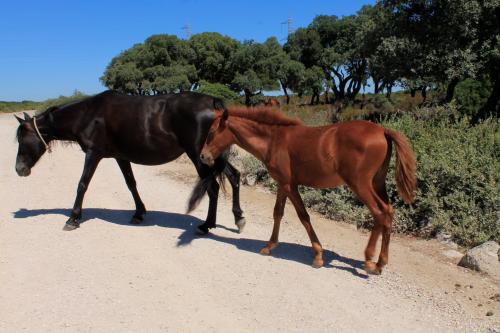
413	92
248	94
424	94
389	91
450	91
490	108
312	99
376	84
327	98
283	86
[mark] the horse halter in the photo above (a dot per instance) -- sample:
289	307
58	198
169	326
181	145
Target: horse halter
40	136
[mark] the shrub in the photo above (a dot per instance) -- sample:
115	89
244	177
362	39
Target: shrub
218	90
40	106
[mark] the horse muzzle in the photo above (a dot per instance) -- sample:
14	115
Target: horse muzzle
207	158
23	171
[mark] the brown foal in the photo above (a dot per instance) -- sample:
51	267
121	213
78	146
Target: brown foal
356	153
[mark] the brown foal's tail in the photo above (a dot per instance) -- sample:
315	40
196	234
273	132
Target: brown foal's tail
406	181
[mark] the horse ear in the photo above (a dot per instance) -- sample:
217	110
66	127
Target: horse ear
19	119
26	116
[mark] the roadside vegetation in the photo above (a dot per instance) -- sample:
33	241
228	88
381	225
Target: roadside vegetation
41	105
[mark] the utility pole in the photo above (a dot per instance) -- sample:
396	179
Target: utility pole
187	30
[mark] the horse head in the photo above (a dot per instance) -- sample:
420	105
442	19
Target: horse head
31	144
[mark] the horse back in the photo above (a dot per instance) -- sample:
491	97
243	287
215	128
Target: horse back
324	156
147	129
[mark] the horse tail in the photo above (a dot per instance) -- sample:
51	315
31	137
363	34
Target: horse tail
204	183
198	192
406	181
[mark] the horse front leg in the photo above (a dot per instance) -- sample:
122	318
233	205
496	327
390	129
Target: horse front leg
279	208
140	209
91	162
213	197
233	176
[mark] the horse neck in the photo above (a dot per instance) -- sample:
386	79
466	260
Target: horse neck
62	124
252	136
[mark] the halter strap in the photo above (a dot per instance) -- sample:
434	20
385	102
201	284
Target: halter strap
40	136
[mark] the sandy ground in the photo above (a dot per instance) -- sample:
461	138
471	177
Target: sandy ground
109	276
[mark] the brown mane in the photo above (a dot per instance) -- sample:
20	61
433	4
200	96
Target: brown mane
263	115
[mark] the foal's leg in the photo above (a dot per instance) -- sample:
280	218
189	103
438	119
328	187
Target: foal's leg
279	208
379	212
380	188
140	209
91	162
305	219
233	175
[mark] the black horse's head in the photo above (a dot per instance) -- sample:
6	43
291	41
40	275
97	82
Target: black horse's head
31	146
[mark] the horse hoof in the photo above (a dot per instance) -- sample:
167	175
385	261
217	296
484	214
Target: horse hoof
241	224
136	220
317	263
265	251
201	230
372	269
69	227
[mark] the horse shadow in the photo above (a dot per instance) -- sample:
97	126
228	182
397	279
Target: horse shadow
187	223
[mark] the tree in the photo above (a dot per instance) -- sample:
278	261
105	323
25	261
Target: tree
312	83
161	65
291	74
488	48
445	32
213	56
255	68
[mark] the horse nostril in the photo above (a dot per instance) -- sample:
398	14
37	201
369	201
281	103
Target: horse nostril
202	156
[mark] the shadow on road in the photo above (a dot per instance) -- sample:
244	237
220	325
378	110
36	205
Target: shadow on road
286	251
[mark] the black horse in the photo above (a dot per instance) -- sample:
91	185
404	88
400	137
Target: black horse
148	130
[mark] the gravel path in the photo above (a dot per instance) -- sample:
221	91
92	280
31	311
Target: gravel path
109	276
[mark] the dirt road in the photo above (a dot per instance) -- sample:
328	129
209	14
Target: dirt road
109	276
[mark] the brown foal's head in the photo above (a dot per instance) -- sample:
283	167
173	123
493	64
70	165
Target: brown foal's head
219	138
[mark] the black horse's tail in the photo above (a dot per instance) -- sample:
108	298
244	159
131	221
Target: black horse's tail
202	187
217	173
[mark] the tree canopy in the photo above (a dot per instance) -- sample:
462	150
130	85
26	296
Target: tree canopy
419	45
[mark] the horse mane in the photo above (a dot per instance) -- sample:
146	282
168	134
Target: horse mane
263	115
70	103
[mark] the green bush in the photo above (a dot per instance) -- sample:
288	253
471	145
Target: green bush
218	90
458	172
471	95
40	106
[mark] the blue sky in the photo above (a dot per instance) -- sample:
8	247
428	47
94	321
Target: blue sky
50	48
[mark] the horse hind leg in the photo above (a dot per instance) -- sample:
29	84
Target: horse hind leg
128	174
379	211
386	207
